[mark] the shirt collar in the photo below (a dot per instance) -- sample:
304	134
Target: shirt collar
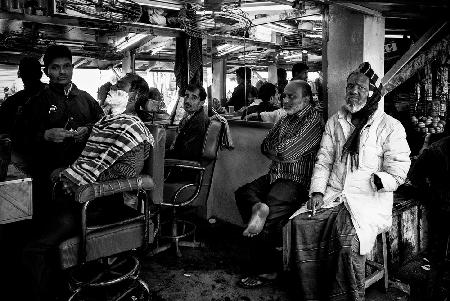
60	89
303	112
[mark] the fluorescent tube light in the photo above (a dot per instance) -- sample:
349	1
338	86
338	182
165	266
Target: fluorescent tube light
130	40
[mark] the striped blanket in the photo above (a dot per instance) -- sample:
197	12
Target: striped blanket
111	137
326	256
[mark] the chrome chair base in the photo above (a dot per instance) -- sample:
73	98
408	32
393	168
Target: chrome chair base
175	231
106	277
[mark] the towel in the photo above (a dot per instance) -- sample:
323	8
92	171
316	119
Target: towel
226	140
111	137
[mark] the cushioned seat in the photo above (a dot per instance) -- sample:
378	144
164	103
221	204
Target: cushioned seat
103	243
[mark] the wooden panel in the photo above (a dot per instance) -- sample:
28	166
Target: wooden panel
15	197
394	238
409	231
423	229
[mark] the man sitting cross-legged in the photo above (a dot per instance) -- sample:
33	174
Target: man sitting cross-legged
267	202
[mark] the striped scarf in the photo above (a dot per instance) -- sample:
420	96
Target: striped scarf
360	118
111	137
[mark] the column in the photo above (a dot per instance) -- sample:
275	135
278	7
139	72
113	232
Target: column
218	88
272	74
353	38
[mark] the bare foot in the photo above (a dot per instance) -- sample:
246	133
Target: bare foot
260	211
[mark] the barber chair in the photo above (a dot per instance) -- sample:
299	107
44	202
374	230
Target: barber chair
105	254
188	192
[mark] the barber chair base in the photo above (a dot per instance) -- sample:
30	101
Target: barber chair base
109	272
135	289
175	231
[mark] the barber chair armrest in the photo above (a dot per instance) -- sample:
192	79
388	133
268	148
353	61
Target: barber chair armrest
182	163
89	192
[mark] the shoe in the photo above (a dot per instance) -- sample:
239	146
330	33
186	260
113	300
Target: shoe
253	282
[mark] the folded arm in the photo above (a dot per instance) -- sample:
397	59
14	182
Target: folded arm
396	161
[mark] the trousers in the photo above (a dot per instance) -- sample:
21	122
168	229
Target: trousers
283	197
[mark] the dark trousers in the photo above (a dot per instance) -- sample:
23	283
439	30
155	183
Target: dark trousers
439	234
40	256
283	197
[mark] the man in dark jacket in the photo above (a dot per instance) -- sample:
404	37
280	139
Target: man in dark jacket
244	93
59	120
431	174
61	116
188	144
10	110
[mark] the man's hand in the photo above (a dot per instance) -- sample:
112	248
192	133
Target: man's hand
252	115
80	133
376	182
315	202
57	135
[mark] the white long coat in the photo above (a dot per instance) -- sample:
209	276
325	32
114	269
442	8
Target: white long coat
383	151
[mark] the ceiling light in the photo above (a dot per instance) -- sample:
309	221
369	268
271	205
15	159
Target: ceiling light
230	49
248	8
305	26
160	4
130	40
396	36
313	36
293	56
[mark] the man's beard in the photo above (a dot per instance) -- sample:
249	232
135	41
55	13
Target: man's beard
354	106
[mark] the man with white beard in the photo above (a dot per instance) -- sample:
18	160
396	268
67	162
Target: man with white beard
363	158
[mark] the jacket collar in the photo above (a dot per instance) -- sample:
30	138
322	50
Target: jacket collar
59	89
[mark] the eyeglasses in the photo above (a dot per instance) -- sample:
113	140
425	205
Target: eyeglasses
350	86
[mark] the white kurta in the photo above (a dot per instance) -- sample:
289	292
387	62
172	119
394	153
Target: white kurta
383	151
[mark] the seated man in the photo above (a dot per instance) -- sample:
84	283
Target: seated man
269	96
431	174
188	144
363	158
116	149
268	202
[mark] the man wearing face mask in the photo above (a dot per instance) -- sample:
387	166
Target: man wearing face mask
192	128
267	203
59	118
363	158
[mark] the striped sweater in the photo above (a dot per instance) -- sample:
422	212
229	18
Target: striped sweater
111	137
295	140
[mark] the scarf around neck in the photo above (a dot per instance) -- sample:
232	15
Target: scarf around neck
359	120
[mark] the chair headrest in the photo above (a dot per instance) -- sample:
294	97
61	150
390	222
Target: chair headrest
212	140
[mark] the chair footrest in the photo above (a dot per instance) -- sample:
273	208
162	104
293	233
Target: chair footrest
105	273
177	229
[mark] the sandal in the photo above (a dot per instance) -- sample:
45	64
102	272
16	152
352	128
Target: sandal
253	282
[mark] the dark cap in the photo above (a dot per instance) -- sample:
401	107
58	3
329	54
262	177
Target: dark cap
30	67
56	51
